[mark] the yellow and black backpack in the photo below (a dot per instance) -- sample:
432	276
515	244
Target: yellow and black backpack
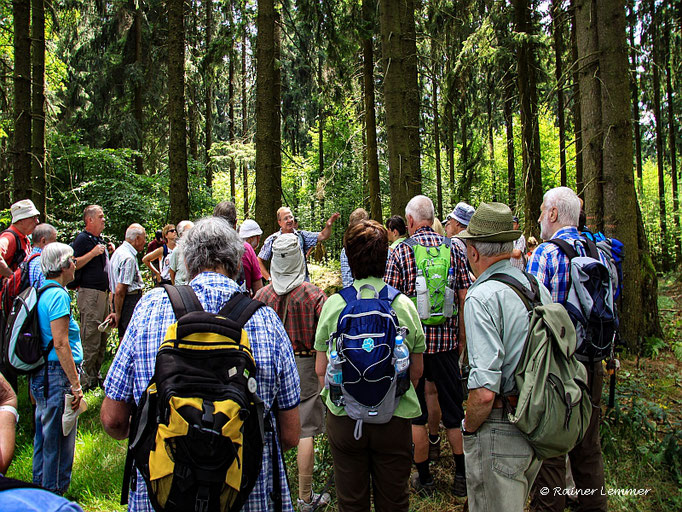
197	434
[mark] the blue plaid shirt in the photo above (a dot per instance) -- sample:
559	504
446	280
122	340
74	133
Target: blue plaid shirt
552	267
346	274
35	274
277	376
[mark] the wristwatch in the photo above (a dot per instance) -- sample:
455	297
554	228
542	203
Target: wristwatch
464	430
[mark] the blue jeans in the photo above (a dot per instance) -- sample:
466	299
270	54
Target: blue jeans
52	452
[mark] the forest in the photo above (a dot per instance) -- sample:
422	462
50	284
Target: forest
157	110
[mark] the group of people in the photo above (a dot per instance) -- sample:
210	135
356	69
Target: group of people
494	465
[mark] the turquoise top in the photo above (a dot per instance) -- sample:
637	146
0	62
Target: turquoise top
56	303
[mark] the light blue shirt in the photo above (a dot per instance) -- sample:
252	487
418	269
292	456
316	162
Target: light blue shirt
497	322
124	268
346	274
35	274
55	303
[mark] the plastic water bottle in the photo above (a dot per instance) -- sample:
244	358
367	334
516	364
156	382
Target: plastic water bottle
423	300
449	298
402	365
334	379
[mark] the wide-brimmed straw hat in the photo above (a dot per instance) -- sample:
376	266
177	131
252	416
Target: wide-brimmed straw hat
492	222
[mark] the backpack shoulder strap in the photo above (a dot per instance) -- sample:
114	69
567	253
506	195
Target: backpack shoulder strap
183	300
240	308
529	297
447	242
411	242
18	249
389	293
11	483
32	257
591	249
565	247
349	293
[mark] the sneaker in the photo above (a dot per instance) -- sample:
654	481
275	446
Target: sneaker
427	489
459	488
434	450
317	501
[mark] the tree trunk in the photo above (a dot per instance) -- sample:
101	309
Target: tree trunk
193	120
508	123
491	142
137	91
558	27
22	100
590	110
634	89
245	173
373	181
38	105
671	138
320	139
208	97
530	129
268	170
177	150
575	108
655	65
620	199
436	130
230	92
449	119
401	98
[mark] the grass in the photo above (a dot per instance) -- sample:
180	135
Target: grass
641	436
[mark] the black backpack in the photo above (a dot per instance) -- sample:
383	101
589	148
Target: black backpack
197	436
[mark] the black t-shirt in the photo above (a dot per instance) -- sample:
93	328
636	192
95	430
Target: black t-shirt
94	273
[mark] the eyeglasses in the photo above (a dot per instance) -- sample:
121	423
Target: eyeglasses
73	260
172	231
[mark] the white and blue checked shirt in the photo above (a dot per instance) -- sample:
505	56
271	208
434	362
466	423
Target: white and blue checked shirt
36	278
277	376
346	274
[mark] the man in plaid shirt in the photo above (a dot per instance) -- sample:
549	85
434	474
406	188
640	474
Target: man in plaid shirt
559	215
299	304
213	252
444	343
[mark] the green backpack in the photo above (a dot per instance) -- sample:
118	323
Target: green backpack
554	405
434	264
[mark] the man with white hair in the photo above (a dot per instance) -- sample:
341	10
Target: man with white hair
559	216
125	279
176	262
299	304
43	235
444	342
213	252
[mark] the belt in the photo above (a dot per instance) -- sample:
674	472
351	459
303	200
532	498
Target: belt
136	292
303	353
511	399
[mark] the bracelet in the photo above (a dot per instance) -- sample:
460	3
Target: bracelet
12	409
79	388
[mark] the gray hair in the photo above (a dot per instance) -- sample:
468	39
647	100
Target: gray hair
55	258
212	242
91	211
567	204
133	232
184	225
490	249
44	230
228	211
420	208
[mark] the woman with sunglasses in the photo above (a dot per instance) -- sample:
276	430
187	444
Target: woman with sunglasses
161	255
52	450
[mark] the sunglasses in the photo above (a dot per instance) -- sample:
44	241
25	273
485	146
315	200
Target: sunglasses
172	231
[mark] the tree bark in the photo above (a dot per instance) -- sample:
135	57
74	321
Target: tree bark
177	150
634	89
671	137
208	96
509	127
137	91
575	108
530	129
22	100
230	92
268	170
490	140
620	199
373	182
321	119
558	27
38	105
587	39
655	65
245	173
401	98
436	130
449	118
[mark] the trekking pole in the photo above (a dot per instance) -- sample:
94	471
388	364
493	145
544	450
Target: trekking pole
611	367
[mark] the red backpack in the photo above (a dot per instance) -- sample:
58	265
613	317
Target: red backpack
15	284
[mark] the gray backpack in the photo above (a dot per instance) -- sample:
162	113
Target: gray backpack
554	406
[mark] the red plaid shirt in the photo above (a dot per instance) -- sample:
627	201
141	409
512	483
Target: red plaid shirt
303	311
401	273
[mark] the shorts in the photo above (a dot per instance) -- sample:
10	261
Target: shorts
442	368
311	408
129	303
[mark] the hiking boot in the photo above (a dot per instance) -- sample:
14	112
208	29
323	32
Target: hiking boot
434	450
459	488
426	489
317	501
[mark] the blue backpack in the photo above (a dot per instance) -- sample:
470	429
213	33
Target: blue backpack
365	341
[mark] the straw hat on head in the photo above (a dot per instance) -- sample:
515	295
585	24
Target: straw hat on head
492	222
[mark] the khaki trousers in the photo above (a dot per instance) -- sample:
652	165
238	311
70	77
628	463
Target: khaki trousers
94	306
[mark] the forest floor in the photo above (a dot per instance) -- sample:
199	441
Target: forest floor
641	435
